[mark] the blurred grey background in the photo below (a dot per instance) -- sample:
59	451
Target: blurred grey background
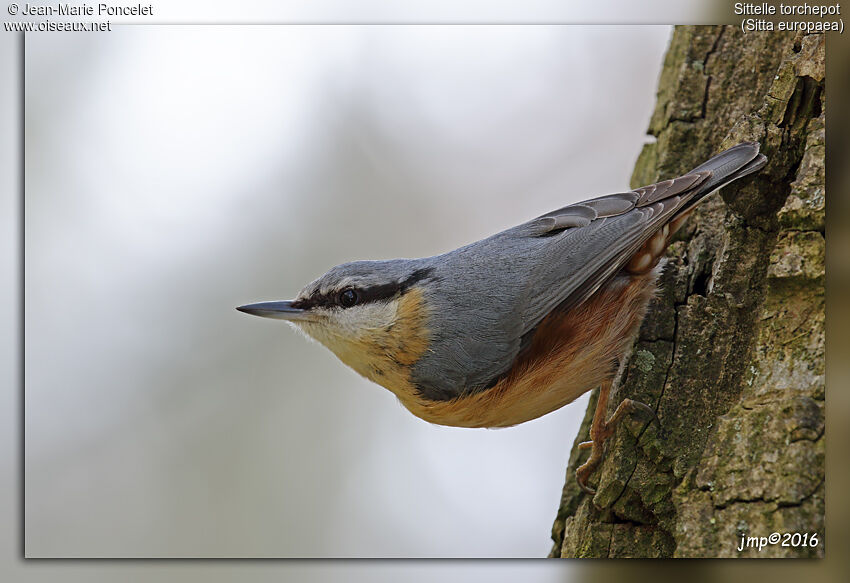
174	173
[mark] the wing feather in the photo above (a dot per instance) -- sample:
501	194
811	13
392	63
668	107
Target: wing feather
589	242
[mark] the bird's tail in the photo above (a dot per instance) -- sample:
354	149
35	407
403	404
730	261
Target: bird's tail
729	165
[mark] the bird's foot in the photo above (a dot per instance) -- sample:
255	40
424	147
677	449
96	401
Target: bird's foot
601	430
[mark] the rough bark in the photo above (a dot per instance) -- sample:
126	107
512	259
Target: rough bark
731	355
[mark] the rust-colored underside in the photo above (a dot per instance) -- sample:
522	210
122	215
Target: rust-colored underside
572	351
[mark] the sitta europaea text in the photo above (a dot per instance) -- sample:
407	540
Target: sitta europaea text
516	325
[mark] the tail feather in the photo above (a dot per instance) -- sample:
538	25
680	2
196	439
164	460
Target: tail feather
729	165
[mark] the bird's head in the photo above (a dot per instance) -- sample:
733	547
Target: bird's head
371	314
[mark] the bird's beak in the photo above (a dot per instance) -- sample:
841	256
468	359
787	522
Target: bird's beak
281	310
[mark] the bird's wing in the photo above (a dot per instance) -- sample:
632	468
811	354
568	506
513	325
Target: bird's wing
491	293
592	240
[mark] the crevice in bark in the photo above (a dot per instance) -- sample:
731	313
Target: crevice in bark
763	500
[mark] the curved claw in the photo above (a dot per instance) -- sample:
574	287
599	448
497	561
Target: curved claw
583	471
582	474
633	407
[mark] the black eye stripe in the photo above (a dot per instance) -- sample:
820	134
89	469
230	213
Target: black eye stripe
365	295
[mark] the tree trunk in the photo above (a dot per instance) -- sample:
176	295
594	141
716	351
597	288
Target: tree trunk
731	354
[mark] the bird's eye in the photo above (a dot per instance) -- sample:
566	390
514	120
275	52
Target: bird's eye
348	298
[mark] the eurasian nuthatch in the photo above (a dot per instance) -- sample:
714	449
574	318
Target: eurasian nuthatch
516	325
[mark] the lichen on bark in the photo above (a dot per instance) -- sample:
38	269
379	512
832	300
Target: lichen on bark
731	355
